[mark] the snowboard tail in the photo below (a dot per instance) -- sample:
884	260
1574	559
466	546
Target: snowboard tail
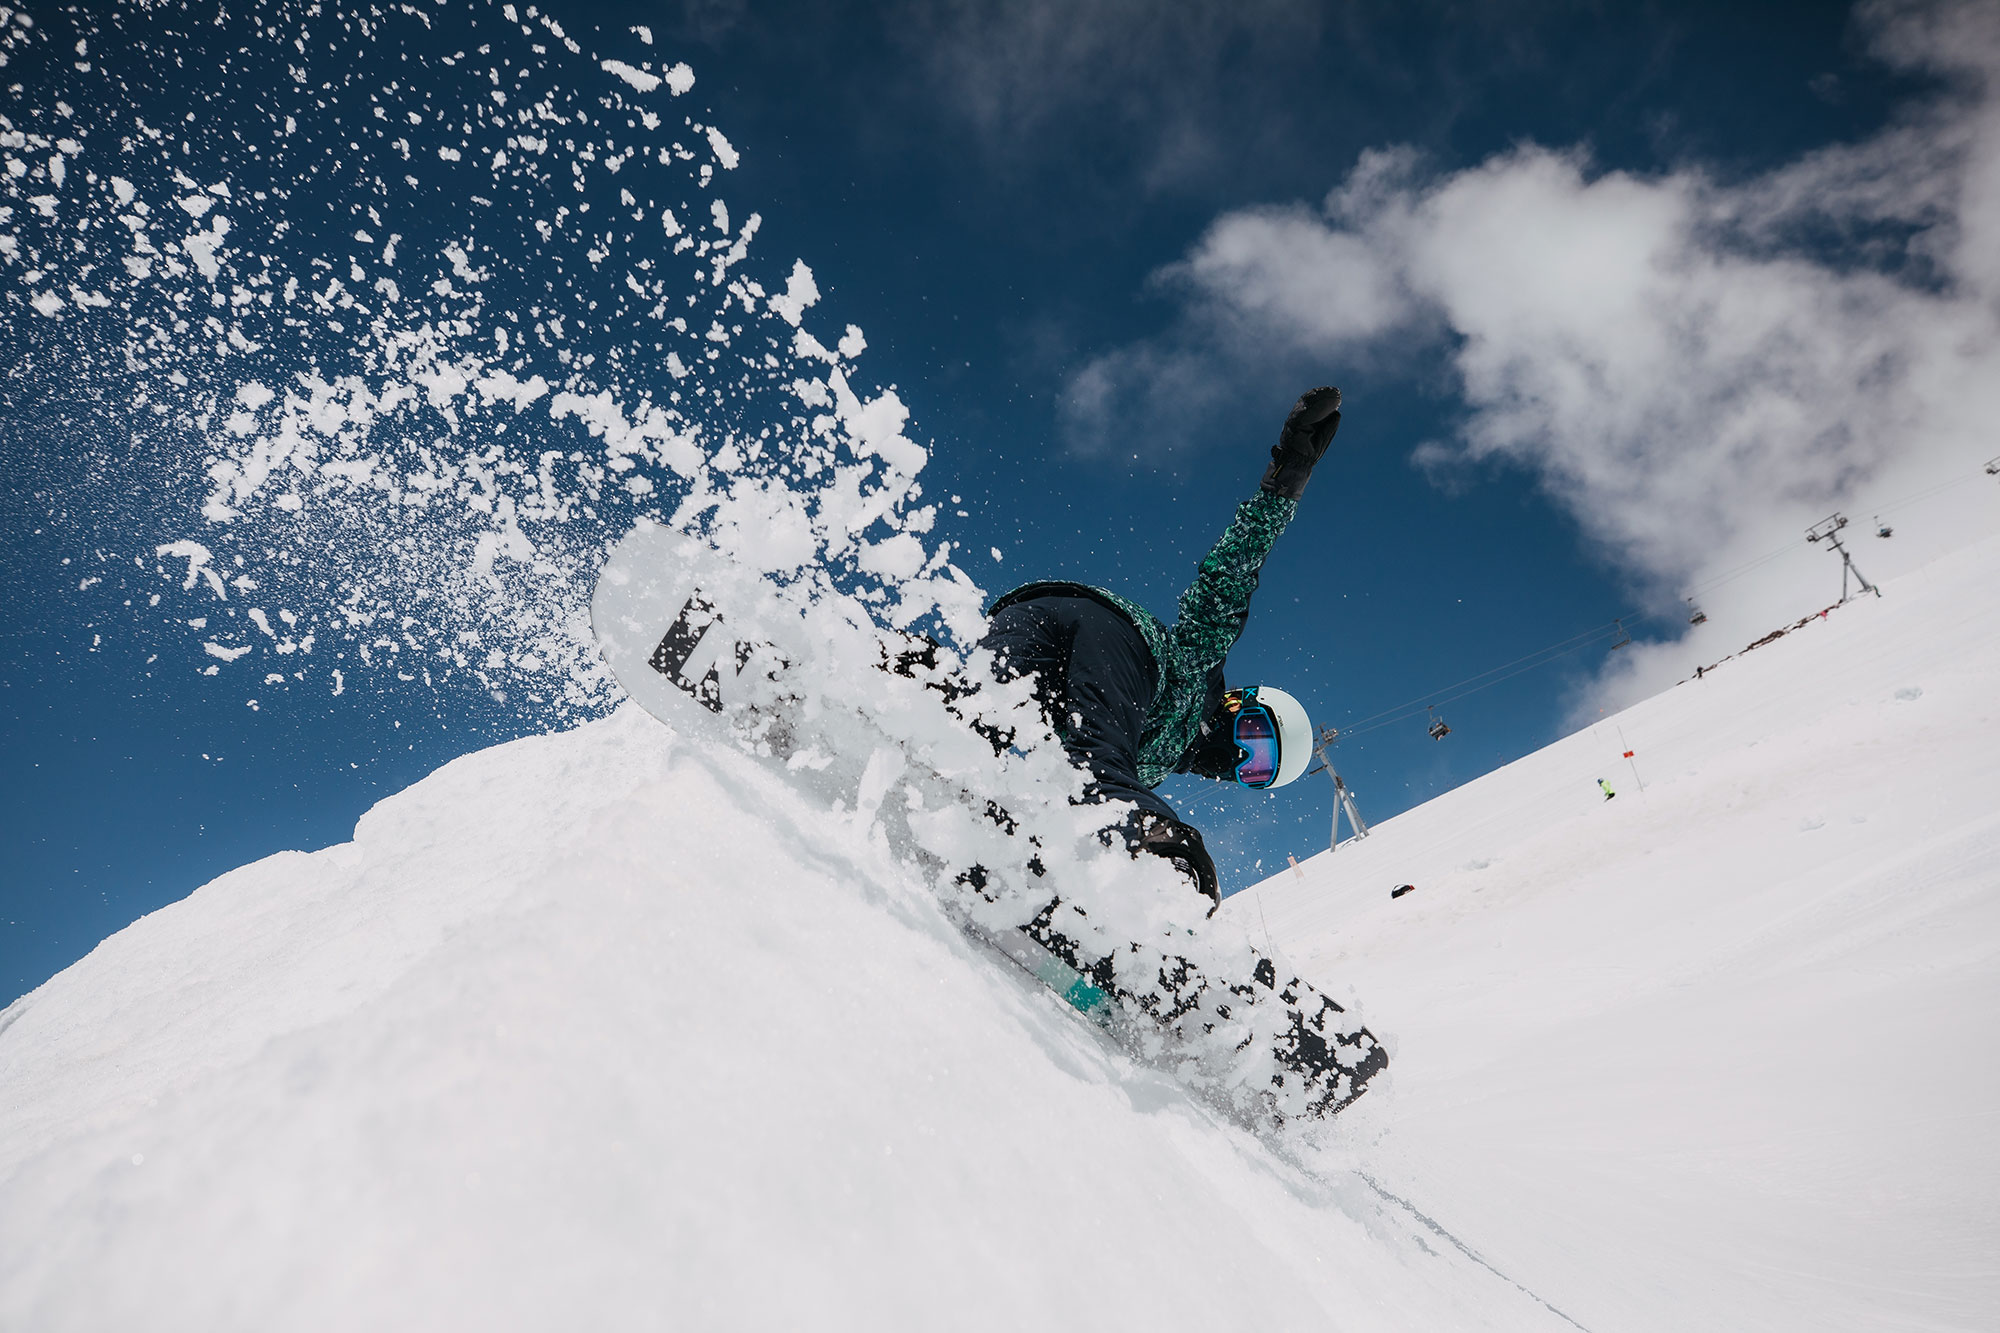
1320	1062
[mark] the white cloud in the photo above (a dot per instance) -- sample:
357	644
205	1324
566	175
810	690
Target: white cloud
1286	270
1694	367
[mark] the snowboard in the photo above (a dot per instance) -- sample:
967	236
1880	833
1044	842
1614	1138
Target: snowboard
800	676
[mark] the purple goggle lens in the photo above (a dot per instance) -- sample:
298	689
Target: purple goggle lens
1257	736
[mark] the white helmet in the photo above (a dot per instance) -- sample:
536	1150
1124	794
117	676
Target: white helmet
1290	736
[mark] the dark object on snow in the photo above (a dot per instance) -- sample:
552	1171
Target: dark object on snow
1698	671
1400	890
1308	430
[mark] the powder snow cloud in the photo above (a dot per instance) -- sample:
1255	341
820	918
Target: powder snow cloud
1694	366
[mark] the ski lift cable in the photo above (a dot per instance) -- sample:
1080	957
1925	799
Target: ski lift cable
1742	569
1473	684
1923	494
1890	507
1453	696
1577	640
1460	694
1543	656
1506	671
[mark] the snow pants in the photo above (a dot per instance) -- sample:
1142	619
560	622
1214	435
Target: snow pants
1095	678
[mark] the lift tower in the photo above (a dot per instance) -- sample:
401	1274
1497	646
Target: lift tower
1343	799
1828	530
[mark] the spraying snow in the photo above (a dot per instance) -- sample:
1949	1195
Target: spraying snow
401	338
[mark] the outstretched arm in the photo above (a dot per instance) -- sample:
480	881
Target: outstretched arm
1216	605
1215	608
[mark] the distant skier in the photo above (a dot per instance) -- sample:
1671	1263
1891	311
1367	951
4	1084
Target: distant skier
1605	787
1134	700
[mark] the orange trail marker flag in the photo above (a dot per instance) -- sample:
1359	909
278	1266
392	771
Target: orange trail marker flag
1628	759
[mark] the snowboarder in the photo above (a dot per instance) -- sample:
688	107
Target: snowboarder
1133	699
1605	787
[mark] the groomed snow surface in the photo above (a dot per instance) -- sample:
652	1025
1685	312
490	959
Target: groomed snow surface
606	1030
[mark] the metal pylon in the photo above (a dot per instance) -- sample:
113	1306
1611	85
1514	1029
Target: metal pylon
1828	530
1343	799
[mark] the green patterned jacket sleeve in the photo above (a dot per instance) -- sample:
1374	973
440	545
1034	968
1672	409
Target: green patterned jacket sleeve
1215	608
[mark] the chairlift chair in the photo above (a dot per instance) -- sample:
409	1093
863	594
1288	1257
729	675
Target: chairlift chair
1624	635
1437	728
1883	529
1696	616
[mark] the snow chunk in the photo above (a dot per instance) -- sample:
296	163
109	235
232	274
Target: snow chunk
215	649
770	520
202	245
804	344
500	386
198	558
633	75
897	557
876	427
800	293
725	153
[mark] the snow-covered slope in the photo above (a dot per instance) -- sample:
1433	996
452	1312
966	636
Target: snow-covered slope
600	1030
605	1029
1723	1052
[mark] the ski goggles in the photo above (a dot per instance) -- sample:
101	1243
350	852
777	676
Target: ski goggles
1256	735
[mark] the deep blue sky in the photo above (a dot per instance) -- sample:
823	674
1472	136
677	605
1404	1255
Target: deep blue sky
989	210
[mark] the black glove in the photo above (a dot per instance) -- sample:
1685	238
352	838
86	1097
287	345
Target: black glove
1181	844
1308	431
